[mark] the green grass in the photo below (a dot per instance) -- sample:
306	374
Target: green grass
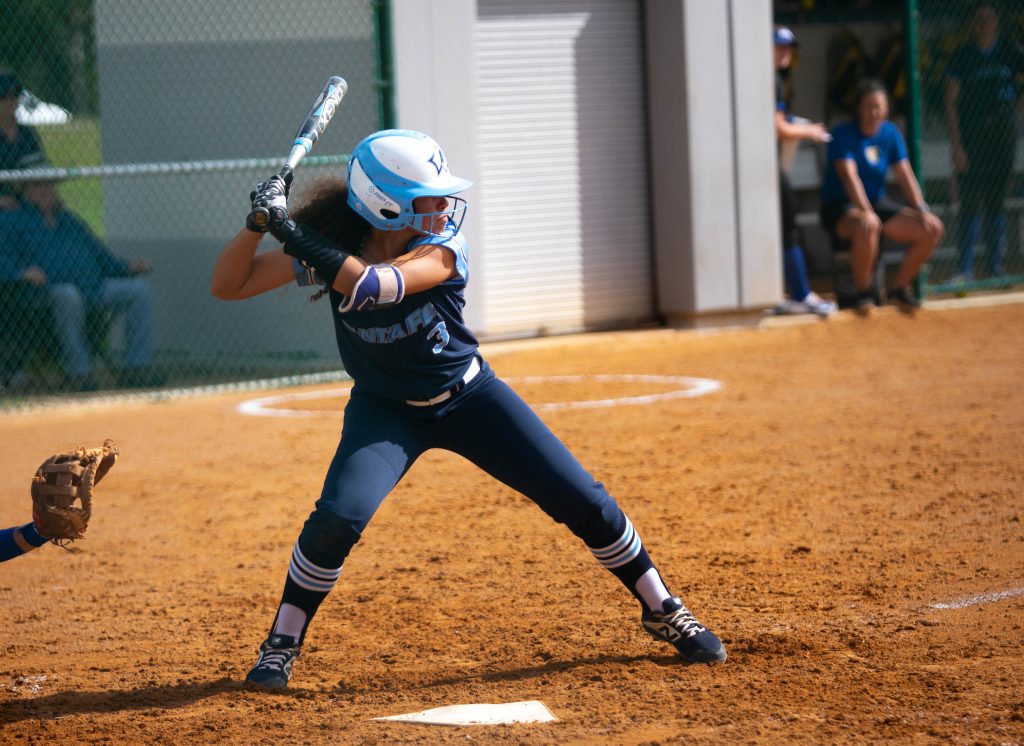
72	145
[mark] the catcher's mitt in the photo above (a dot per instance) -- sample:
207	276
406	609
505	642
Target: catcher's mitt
62	479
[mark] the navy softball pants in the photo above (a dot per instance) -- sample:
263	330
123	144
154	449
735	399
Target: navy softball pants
488	424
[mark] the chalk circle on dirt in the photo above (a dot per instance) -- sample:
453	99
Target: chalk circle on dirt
684	387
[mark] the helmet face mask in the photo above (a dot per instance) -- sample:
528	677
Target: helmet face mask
454	214
390	169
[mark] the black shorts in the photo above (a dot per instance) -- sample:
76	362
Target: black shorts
831	212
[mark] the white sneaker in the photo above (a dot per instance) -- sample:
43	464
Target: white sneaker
818	305
790	307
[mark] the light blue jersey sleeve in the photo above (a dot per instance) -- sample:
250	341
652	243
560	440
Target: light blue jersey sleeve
454	242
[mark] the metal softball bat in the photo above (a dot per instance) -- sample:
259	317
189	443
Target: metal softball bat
313	125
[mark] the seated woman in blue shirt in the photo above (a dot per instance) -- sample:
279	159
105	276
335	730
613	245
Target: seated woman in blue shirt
854	205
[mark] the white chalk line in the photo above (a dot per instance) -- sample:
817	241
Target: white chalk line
265	406
981	598
268	406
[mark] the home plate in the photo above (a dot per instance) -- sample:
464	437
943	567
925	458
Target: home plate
532	711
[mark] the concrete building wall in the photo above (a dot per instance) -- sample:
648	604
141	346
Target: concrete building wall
714	193
186	81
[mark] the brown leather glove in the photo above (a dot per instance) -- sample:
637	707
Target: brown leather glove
59	482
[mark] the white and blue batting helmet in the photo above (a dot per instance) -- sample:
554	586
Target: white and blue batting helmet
391	168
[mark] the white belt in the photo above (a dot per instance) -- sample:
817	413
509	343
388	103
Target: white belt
469	375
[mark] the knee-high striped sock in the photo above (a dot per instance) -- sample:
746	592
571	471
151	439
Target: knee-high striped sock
305	589
627	559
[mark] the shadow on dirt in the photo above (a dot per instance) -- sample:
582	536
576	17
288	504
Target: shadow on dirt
516	674
172	696
165	697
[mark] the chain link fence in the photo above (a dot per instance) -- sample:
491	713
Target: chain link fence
972	141
130	136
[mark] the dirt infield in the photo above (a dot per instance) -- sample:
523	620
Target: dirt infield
848	478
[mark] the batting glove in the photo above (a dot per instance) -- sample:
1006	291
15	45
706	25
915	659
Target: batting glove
269	203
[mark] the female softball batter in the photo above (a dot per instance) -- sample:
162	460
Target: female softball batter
387	250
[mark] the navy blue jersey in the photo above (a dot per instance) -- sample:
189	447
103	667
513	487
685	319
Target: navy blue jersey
988	96
414	350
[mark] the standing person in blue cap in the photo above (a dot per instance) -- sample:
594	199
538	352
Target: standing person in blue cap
787	127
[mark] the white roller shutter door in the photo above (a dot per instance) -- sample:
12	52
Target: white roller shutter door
562	198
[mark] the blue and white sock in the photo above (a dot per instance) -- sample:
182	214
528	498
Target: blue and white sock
305	589
310	576
622	551
627	559
651	589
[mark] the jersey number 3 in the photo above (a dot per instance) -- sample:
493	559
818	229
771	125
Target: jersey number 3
441	333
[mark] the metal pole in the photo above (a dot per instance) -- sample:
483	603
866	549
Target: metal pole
913	74
385	76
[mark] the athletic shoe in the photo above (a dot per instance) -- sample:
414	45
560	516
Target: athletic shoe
818	305
864	301
675	625
902	297
273	668
789	307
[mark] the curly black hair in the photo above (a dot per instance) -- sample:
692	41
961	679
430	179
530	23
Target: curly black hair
324	208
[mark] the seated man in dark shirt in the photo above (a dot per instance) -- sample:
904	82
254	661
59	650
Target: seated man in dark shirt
53	247
25	309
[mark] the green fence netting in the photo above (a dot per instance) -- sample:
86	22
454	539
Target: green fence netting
972	154
955	75
130	136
